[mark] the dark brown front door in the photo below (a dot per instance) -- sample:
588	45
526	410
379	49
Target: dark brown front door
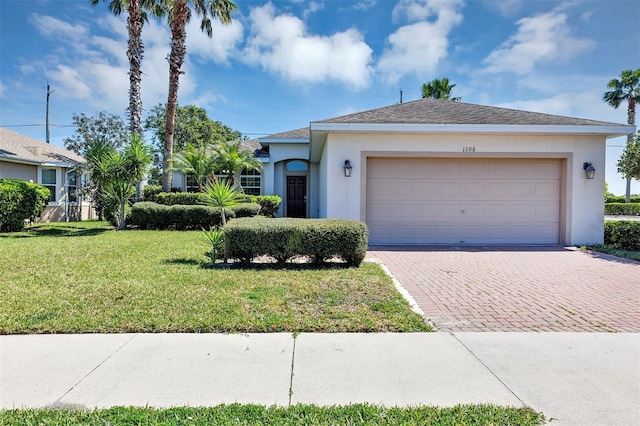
296	196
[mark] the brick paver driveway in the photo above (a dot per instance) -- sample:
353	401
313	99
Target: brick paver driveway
518	288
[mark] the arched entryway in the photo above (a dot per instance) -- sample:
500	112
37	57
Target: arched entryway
296	184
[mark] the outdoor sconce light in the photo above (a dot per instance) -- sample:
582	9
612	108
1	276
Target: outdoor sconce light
348	168
589	170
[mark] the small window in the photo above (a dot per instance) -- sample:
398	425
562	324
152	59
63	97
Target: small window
49	182
192	185
72	186
250	181
296	166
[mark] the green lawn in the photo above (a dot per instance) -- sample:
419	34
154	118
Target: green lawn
634	255
236	414
87	278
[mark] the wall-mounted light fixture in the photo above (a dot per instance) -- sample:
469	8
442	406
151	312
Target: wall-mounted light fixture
348	168
589	170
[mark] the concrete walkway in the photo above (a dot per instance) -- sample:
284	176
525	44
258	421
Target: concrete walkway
573	378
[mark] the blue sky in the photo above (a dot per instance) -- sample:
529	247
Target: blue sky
282	64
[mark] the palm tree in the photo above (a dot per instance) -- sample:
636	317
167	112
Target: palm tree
197	162
231	158
179	15
438	89
136	16
222	194
627	89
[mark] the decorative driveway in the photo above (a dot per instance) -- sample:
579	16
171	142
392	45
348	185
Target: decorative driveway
518	288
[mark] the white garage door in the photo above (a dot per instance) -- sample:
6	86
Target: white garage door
463	201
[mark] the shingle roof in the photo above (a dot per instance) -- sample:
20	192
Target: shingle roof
253	145
438	111
302	133
17	147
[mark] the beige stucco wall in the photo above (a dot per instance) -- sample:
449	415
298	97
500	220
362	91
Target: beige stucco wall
9	170
582	217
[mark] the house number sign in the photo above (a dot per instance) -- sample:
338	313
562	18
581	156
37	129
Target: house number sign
468	149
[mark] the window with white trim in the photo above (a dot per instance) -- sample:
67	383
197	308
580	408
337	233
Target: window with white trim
48	180
250	181
72	186
192	185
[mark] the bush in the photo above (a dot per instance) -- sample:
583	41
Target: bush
628	209
269	204
183	198
319	239
246	209
621	199
20	201
622	235
150	192
149	215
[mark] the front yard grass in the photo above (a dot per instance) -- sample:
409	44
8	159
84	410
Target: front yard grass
236	414
627	254
87	278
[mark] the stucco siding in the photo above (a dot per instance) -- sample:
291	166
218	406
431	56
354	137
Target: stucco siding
9	170
582	209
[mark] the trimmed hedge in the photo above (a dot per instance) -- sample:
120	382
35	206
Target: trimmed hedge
148	215
628	209
183	198
622	234
20	201
282	239
621	199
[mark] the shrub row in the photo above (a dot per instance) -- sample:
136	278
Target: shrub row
622	234
20	201
148	215
269	204
621	199
629	209
282	239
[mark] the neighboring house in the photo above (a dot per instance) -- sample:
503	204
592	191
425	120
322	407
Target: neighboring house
442	172
25	158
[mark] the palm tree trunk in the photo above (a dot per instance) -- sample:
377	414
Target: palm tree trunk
135	53
631	119
180	13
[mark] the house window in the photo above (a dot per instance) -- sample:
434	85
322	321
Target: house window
72	186
49	181
296	166
250	181
192	185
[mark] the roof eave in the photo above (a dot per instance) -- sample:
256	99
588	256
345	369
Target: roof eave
607	130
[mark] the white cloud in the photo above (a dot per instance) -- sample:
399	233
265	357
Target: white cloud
364	5
541	38
281	45
506	7
220	46
2	90
419	47
70	82
51	26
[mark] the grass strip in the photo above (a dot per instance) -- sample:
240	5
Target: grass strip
87	278
627	254
238	414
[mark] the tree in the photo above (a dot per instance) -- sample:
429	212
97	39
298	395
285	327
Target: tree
136	16
627	89
222	194
106	127
118	171
192	125
179	15
438	89
629	162
230	159
197	162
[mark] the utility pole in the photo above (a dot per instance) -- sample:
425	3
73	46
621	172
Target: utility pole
49	92
400	95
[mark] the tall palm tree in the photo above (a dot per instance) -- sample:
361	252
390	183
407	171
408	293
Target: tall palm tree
438	89
179	14
231	158
627	89
136	16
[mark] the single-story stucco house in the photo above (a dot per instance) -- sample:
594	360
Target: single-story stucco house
443	172
25	158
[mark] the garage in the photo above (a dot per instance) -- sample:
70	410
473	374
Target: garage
463	201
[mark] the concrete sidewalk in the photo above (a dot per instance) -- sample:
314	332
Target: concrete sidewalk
573	378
